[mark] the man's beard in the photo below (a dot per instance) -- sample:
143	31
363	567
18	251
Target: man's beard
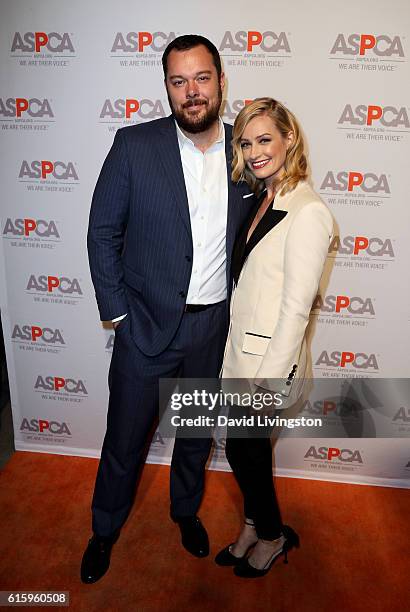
195	124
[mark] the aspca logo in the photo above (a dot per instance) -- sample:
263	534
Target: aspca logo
361	245
126	108
231	109
51	284
138	42
362	44
35	333
33	107
329	408
341	304
44	169
30	227
44	426
40	41
324	453
343	359
347	182
402	415
58	383
387	116
253	41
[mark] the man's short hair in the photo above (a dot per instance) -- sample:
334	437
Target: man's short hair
189	41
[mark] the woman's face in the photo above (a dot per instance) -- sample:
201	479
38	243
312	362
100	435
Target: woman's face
264	148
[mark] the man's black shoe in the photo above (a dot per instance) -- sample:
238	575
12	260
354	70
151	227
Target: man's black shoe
194	536
96	558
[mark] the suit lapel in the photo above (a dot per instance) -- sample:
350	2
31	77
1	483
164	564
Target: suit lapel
170	157
169	154
231	222
238	257
272	217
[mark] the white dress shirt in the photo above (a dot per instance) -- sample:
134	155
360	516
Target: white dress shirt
206	183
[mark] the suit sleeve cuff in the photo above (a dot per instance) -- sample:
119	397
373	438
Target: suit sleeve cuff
119	318
275	385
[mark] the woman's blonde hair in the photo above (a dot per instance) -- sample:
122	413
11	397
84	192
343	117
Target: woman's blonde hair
295	163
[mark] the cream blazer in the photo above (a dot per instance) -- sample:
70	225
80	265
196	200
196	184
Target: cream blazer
271	302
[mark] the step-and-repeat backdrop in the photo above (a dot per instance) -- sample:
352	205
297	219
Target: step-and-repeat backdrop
73	73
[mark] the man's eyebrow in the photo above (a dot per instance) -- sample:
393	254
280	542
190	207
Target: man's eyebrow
180	76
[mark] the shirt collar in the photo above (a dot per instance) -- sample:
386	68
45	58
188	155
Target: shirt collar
184	140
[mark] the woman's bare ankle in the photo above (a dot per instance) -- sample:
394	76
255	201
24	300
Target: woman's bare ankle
264	550
246	538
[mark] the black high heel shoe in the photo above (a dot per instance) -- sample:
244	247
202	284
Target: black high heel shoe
226	558
245	570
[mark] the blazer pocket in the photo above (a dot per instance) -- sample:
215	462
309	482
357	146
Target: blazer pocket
256	344
134	280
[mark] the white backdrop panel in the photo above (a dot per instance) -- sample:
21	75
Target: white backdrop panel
343	70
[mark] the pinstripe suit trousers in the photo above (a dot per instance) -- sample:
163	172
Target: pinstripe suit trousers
195	352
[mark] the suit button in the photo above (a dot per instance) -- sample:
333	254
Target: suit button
188	257
182	294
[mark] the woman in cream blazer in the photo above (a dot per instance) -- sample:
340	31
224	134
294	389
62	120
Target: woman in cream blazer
277	265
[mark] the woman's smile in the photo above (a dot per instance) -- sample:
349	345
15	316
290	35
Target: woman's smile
256	165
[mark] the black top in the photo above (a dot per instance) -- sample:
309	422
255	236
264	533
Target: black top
271	217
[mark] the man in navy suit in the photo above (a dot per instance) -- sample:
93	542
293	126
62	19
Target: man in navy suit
163	221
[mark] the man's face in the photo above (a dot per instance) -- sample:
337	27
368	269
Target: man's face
194	90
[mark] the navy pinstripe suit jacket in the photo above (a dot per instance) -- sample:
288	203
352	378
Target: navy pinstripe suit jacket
139	236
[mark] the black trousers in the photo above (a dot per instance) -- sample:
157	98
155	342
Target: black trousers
195	352
249	453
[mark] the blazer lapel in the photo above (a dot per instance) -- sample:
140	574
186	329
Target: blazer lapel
238	257
231	222
272	217
170	157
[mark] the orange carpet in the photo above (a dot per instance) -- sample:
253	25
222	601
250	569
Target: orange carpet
354	551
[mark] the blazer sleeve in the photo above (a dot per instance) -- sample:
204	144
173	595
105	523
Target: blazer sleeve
106	229
306	249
